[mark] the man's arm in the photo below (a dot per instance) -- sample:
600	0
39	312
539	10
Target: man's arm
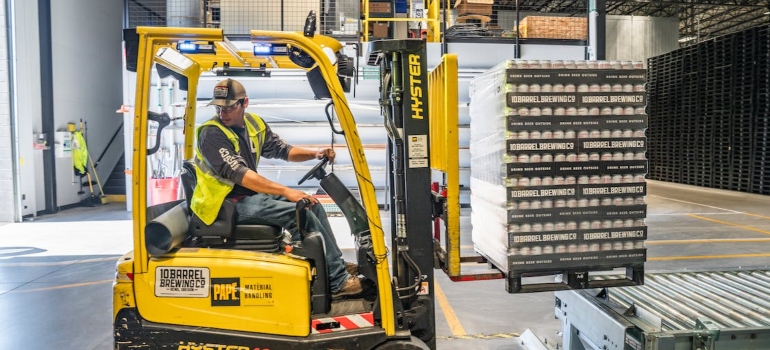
219	153
297	154
275	147
258	183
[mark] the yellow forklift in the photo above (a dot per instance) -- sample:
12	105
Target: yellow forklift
187	285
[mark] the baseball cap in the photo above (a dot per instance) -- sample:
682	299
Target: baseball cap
227	92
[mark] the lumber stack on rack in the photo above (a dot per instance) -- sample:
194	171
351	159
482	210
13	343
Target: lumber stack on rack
548	27
473	7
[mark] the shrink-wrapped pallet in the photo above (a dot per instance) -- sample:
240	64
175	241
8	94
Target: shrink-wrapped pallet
557	165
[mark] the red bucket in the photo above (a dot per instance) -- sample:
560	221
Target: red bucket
164	190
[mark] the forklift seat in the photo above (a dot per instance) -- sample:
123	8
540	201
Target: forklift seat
225	230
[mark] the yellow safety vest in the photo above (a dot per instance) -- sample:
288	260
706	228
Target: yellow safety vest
79	153
211	189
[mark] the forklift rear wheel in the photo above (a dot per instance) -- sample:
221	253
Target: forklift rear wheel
412	344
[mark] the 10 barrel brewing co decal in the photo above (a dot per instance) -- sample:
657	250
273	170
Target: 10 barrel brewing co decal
182	282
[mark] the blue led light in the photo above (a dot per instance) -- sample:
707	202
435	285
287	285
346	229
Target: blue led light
262	49
187	46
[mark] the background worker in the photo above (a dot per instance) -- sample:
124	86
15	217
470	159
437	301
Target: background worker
228	150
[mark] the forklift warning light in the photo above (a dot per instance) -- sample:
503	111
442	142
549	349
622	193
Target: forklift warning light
190	47
265	49
262	49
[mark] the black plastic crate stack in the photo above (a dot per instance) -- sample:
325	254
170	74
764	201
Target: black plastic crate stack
697	136
655	150
557	171
761	159
714	111
665	137
709	118
744	102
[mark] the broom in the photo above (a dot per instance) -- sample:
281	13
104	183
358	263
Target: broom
80	140
102	198
93	200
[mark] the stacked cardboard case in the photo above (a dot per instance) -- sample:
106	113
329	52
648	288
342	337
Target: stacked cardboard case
558	165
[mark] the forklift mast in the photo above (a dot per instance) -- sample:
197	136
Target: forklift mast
404	105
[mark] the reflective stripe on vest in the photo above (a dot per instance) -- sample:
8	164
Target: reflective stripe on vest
211	189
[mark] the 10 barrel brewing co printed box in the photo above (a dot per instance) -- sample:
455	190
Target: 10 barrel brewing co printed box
558	165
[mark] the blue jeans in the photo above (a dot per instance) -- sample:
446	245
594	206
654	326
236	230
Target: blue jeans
263	209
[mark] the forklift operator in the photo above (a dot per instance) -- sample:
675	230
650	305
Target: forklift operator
227	154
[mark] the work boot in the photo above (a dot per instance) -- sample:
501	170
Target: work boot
351	268
351	287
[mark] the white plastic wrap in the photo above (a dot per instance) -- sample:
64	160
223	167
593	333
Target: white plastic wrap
557	165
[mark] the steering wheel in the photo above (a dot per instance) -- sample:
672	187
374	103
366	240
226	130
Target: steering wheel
318	167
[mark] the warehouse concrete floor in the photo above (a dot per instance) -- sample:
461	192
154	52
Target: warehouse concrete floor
56	271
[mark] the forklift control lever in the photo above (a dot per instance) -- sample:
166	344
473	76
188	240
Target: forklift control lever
163	121
301	216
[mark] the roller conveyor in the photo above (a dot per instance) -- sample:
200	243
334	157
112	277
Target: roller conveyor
682	310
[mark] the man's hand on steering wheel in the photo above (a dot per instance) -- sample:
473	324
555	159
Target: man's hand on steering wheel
326	152
295	196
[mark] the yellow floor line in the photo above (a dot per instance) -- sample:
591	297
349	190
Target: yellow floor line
730	224
449	313
758	216
694	203
694	257
57	263
707	240
61	287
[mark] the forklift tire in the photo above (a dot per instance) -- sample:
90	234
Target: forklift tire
413	344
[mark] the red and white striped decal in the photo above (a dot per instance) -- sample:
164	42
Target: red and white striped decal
347	322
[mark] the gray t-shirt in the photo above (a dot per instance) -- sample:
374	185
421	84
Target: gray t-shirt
219	153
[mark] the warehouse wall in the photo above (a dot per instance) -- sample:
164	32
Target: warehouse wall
183	13
87	78
27	105
7	207
635	38
86	84
272	15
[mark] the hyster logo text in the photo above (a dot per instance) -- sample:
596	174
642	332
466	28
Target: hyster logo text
225	292
415	86
195	346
